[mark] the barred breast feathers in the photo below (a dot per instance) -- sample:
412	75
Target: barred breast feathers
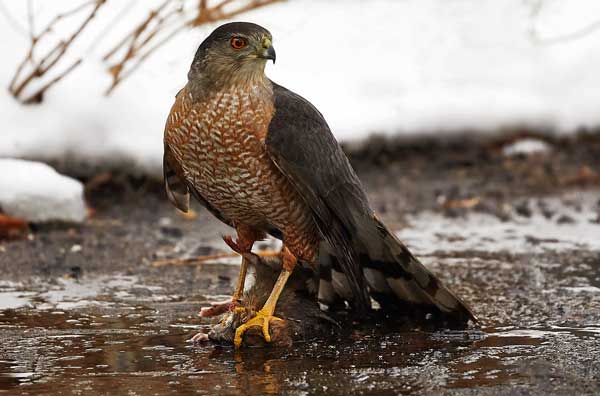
219	140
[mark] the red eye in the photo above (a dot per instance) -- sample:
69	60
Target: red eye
238	42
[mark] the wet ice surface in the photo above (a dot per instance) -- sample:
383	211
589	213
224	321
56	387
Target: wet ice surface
537	295
88	353
545	224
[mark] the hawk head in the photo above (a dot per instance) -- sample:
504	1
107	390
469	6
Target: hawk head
236	51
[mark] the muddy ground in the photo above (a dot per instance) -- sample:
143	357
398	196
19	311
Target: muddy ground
87	310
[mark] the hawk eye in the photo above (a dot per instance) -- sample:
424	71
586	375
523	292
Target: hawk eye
238	42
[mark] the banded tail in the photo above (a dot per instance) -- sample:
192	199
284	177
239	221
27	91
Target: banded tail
395	278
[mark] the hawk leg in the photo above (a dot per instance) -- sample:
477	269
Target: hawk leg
265	315
246	238
217	308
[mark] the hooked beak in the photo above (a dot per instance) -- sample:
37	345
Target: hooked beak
269	53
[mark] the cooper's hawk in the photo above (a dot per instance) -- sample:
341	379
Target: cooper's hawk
263	160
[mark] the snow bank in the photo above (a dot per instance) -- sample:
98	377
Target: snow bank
37	193
382	66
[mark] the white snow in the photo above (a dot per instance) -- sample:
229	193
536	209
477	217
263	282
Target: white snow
385	66
527	146
37	193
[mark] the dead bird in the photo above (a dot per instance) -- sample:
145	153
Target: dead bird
301	316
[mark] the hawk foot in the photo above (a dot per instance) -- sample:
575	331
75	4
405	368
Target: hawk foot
262	320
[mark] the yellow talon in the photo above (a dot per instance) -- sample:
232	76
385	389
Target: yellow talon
261	319
265	315
239	310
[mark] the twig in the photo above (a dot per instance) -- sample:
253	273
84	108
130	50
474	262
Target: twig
52	56
38	96
202	259
192	261
137	31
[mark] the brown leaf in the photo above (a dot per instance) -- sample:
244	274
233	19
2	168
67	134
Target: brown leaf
467	203
12	227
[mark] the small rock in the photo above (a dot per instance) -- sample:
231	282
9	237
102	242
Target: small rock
565	219
545	209
172	232
523	209
203	250
75	272
526	147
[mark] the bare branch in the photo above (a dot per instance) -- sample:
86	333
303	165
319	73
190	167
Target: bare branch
52	56
153	32
132	36
38	96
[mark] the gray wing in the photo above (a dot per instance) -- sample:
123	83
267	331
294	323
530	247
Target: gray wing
302	146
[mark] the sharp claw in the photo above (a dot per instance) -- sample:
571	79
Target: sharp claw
265	330
239	310
237	339
241	330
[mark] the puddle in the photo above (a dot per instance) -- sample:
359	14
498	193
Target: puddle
91	335
60	356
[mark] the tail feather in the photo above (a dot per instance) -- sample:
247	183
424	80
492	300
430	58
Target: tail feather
333	286
409	279
395	278
377	281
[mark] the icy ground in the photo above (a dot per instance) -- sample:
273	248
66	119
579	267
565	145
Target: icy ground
381	66
35	192
77	317
541	225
